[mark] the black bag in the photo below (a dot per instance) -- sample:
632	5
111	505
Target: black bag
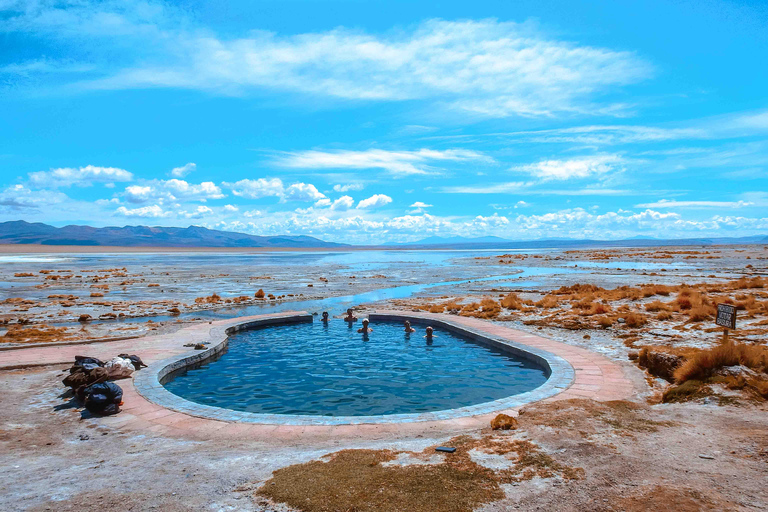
103	398
85	363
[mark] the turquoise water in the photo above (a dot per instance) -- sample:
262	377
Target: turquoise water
332	370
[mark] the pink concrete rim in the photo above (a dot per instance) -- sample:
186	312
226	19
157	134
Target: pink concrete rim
596	377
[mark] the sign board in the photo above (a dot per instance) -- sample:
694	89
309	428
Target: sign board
726	316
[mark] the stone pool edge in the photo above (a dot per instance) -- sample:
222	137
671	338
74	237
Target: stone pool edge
148	382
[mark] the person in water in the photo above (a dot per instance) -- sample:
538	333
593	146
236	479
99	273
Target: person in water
350	317
408	327
429	334
325	317
365	329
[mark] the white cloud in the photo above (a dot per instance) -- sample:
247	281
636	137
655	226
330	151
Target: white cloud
184	190
608	134
154	211
351	187
256	189
180	172
491	188
486	67
665	203
521	204
582	167
302	192
419	204
138	193
200	212
394	162
82	176
259	188
231	208
20	198
253	213
343	203
362	226
172	190
374	201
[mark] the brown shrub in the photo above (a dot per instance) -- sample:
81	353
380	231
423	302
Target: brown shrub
701	313
23	274
664	315
512	301
704	363
259	294
656	305
490	308
683	303
605	321
547	302
97	294
635	320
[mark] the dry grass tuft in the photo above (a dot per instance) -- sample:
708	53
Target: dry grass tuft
38	334
512	301
704	363
635	320
213	299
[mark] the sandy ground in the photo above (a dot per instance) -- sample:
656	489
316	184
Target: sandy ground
702	455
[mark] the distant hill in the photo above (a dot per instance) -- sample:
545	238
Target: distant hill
491	242
21	232
439	240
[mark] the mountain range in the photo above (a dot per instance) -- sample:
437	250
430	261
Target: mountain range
21	232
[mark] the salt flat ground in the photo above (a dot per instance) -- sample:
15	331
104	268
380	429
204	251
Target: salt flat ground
708	454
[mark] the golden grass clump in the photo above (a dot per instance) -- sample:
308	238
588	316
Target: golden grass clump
547	302
512	301
213	299
656	305
705	363
605	321
259	294
635	320
701	313
37	334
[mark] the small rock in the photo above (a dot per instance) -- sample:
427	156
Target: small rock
705	456
84	437
620	320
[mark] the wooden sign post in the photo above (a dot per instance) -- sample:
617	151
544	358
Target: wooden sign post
726	317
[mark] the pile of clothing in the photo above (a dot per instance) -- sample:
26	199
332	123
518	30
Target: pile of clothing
90	378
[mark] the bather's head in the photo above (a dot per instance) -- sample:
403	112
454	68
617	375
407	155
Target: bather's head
325	315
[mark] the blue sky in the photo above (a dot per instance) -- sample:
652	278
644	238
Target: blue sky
367	122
